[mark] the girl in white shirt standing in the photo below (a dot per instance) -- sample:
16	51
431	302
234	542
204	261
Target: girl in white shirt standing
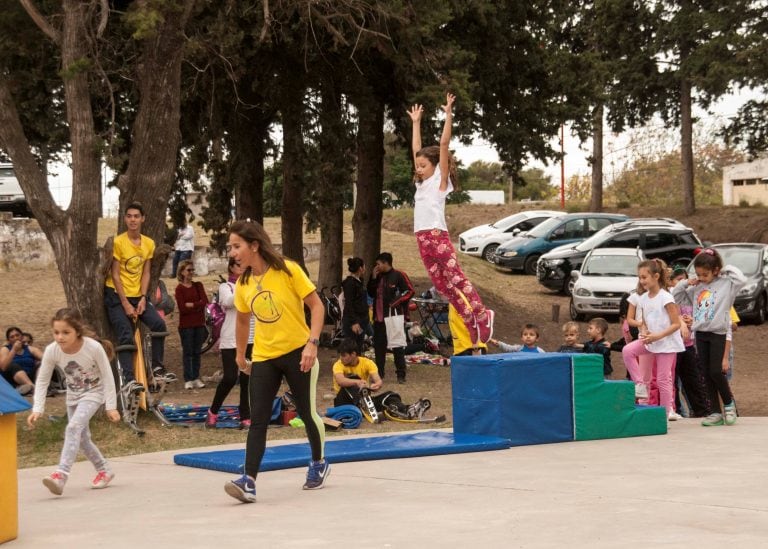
435	179
90	384
660	332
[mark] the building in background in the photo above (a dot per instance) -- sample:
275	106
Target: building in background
746	182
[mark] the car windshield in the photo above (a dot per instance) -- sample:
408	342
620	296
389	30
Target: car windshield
595	240
508	221
543	228
747	260
610	265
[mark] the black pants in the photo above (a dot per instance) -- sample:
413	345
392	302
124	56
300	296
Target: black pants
266	377
711	349
691	377
346	329
380	349
232	375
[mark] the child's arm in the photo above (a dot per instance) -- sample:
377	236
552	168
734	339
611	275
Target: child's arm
507	348
674	325
726	365
415	114
631	310
41	386
734	276
445	141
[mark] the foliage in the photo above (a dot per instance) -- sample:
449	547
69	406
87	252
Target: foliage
535	185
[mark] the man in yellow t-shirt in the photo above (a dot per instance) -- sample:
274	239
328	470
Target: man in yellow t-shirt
125	291
351	373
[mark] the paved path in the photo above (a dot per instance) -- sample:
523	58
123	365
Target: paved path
695	487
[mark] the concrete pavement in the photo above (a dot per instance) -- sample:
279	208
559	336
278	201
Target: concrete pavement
699	486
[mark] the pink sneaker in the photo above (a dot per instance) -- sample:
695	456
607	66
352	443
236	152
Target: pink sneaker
101	479
211	419
485	327
245	424
55	483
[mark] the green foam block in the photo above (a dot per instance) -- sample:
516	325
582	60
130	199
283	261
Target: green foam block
606	409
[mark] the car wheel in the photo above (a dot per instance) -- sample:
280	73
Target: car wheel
575	315
530	264
568	286
760	312
488	252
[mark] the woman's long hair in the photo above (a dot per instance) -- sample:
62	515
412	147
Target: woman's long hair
252	231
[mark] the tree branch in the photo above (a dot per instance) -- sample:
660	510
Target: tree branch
104	17
41	21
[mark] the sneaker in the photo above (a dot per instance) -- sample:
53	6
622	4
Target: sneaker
673	416
55	483
243	489
712	420
401	380
316	474
211	419
730	414
641	391
189	385
198	384
102	479
245	424
25	389
485	327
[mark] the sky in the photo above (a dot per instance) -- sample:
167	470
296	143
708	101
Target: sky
616	152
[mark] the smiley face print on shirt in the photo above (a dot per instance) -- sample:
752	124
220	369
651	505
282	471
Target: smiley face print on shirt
266	307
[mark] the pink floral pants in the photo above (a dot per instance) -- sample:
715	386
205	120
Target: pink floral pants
439	258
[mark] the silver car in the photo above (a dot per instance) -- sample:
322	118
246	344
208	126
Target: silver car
605	275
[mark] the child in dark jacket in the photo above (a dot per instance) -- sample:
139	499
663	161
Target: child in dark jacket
596	330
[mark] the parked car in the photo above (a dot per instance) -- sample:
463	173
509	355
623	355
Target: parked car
752	259
661	238
483	240
522	252
12	198
605	275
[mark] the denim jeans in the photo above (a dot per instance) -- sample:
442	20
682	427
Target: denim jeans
192	340
178	257
124	330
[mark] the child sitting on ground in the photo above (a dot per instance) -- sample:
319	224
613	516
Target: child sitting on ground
596	330
529	337
353	373
571	338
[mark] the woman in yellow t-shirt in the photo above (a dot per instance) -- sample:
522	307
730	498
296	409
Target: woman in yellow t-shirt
274	290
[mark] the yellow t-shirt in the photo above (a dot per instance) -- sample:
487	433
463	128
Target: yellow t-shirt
131	259
364	369
461	339
276	300
734	316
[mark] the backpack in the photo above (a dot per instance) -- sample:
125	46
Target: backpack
166	302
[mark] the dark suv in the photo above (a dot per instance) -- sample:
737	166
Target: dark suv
661	238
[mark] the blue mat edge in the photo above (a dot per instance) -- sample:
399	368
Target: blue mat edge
446	443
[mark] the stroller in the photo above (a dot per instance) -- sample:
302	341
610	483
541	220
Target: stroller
331	299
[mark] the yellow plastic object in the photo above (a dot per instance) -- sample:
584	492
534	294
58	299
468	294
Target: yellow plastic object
9	489
139	371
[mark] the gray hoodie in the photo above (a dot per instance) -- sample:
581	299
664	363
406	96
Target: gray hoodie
712	302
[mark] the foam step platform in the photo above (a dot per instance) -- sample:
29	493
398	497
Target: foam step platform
606	409
287	456
520	396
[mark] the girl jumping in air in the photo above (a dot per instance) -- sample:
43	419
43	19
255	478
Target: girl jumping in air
85	362
713	292
660	332
435	179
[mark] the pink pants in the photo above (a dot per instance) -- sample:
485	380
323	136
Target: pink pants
439	258
651	369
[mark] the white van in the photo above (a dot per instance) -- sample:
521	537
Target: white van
12	198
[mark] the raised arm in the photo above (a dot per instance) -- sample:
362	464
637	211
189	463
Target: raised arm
415	113
445	140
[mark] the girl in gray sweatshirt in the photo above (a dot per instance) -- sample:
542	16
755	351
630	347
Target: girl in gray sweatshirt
712	292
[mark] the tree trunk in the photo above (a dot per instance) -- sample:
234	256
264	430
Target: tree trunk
596	202
247	161
292	231
686	147
331	182
366	221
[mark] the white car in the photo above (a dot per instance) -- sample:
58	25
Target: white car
605	275
483	240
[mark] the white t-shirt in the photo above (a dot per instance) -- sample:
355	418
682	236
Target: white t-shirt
634	299
429	204
227	302
657	320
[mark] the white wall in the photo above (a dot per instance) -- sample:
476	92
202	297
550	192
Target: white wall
486	197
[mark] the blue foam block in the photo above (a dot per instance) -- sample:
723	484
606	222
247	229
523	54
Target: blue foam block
525	397
429	443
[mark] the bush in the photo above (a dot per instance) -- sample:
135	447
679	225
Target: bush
744	203
623	204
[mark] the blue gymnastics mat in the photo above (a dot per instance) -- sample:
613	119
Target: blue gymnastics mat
430	443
